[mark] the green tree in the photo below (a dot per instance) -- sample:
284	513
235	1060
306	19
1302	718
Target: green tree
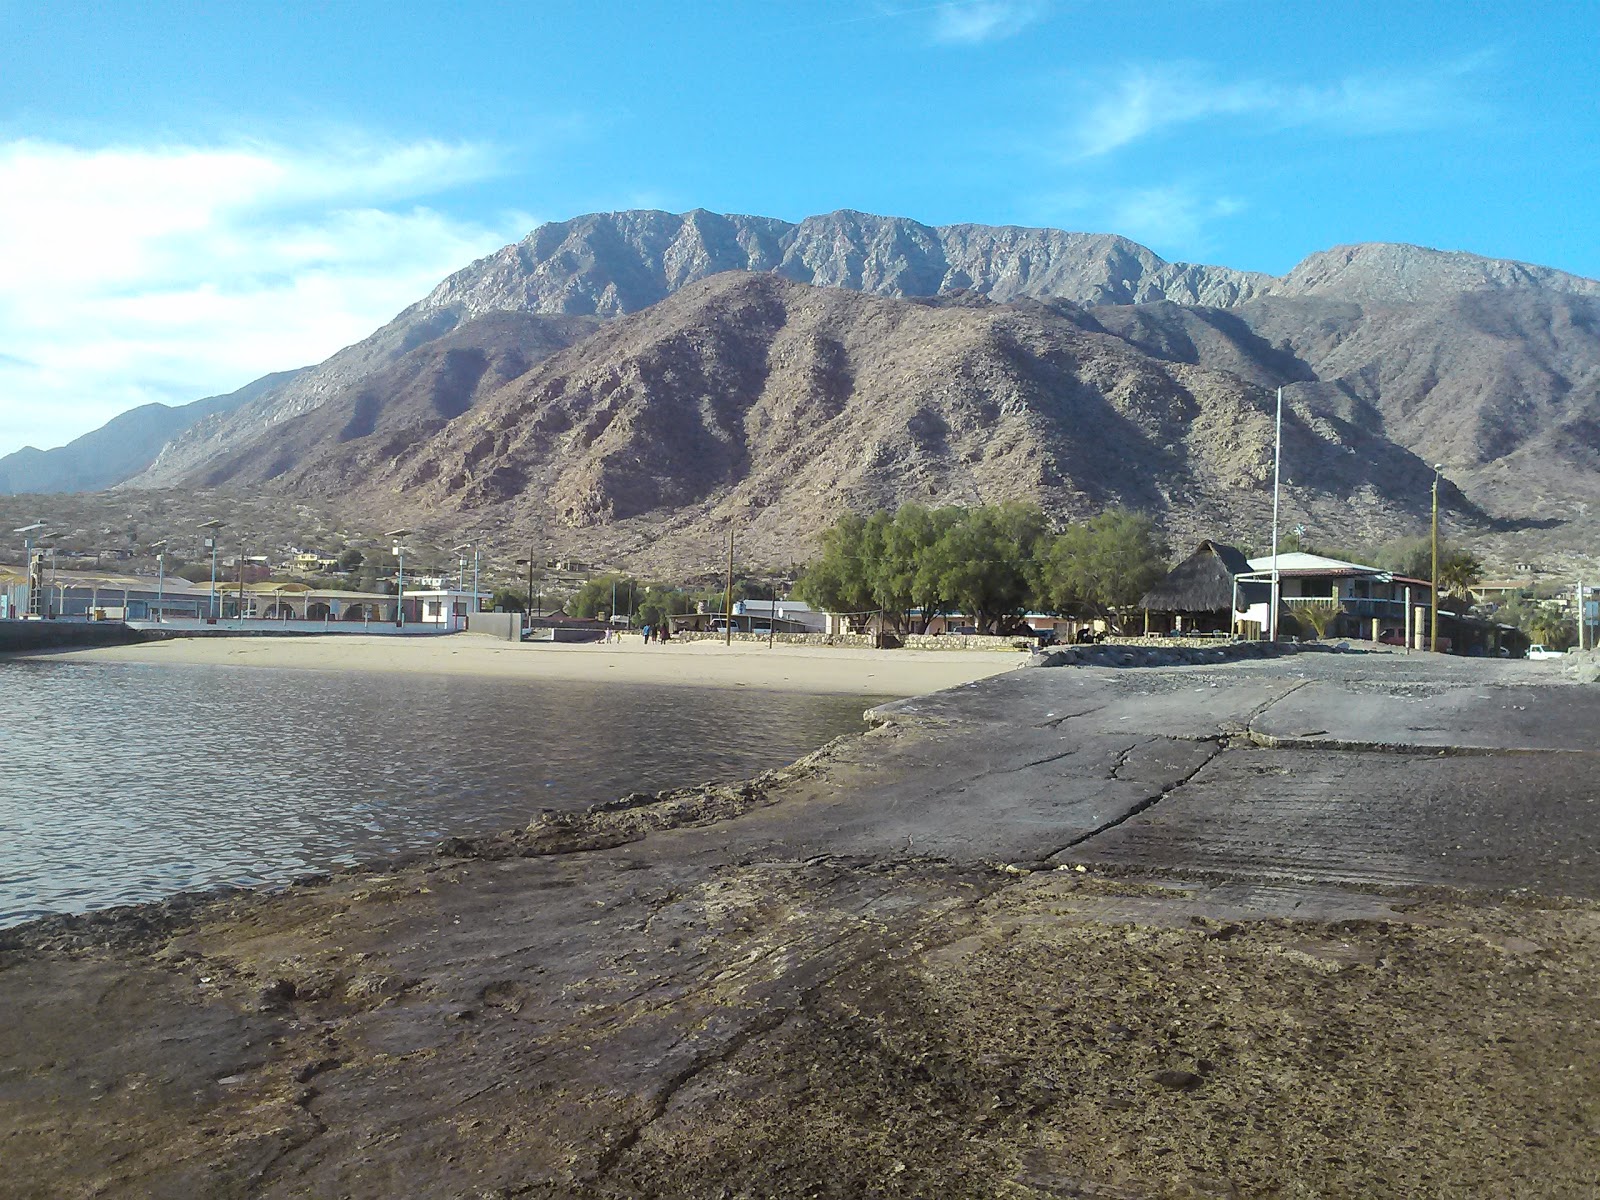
1314	618
509	600
1105	564
595	596
349	559
986	563
839	579
1411	556
908	575
1459	573
1551	627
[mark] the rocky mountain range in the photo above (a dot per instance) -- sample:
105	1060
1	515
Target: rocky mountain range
122	447
632	382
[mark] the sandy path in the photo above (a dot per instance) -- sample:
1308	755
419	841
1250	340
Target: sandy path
812	669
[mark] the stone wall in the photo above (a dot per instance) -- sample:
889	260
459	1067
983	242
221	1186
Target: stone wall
1161	652
861	640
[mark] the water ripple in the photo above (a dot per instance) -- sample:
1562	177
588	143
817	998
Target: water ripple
121	783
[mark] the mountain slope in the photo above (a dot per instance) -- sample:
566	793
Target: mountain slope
121	447
397	406
776	405
616	263
1502	387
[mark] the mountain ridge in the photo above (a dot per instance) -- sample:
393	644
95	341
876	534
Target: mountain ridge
609	264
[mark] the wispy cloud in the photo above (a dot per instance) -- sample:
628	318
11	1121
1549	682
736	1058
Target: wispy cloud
139	273
1143	101
975	21
1177	220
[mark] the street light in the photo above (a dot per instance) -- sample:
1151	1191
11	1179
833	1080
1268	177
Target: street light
1433	633
476	605
27	532
211	541
395	536
161	577
48	541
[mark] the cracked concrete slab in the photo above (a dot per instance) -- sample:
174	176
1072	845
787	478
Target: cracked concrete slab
819	982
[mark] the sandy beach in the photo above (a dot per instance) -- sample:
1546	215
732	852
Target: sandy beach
820	670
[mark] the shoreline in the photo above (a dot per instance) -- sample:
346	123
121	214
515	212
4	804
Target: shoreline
817	670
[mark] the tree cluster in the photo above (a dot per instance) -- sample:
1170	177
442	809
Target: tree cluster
992	564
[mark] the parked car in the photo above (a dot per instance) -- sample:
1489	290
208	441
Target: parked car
1536	651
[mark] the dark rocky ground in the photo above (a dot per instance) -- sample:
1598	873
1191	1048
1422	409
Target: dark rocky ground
1317	926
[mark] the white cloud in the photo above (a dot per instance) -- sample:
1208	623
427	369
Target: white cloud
1143	101
168	273
1174	219
974	21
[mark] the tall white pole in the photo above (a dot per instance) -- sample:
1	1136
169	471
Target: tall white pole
1277	467
1582	619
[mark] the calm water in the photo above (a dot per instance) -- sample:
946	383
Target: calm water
128	782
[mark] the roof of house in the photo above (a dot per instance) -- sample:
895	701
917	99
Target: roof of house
1203	582
1299	563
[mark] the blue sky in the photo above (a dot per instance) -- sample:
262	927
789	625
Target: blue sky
194	194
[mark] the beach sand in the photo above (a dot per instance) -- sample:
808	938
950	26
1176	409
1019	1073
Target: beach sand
818	670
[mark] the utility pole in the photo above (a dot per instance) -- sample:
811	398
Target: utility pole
1433	632
398	536
728	606
161	580
1277	466
211	528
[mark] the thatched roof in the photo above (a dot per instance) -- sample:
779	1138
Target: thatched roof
1203	582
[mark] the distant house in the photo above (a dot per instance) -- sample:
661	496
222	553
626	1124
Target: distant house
1199	594
1371	599
312	562
1216	590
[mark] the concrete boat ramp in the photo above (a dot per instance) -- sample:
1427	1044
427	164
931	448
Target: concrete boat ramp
1321	925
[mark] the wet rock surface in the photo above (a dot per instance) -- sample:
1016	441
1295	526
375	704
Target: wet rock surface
1063	933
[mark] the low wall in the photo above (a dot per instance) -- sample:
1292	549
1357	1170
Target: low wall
965	641
505	626
1161	652
788	639
16	636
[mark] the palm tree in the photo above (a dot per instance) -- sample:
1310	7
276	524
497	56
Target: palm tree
1459	573
1315	617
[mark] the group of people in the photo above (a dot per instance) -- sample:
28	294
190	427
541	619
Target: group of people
654	633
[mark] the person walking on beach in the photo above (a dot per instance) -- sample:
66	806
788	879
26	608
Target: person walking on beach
647	632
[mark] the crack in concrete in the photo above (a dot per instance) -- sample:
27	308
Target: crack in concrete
1260	710
1144	805
1268	741
1057	722
1037	762
1123	755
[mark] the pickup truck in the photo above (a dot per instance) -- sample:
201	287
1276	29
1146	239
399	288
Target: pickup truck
1537	651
